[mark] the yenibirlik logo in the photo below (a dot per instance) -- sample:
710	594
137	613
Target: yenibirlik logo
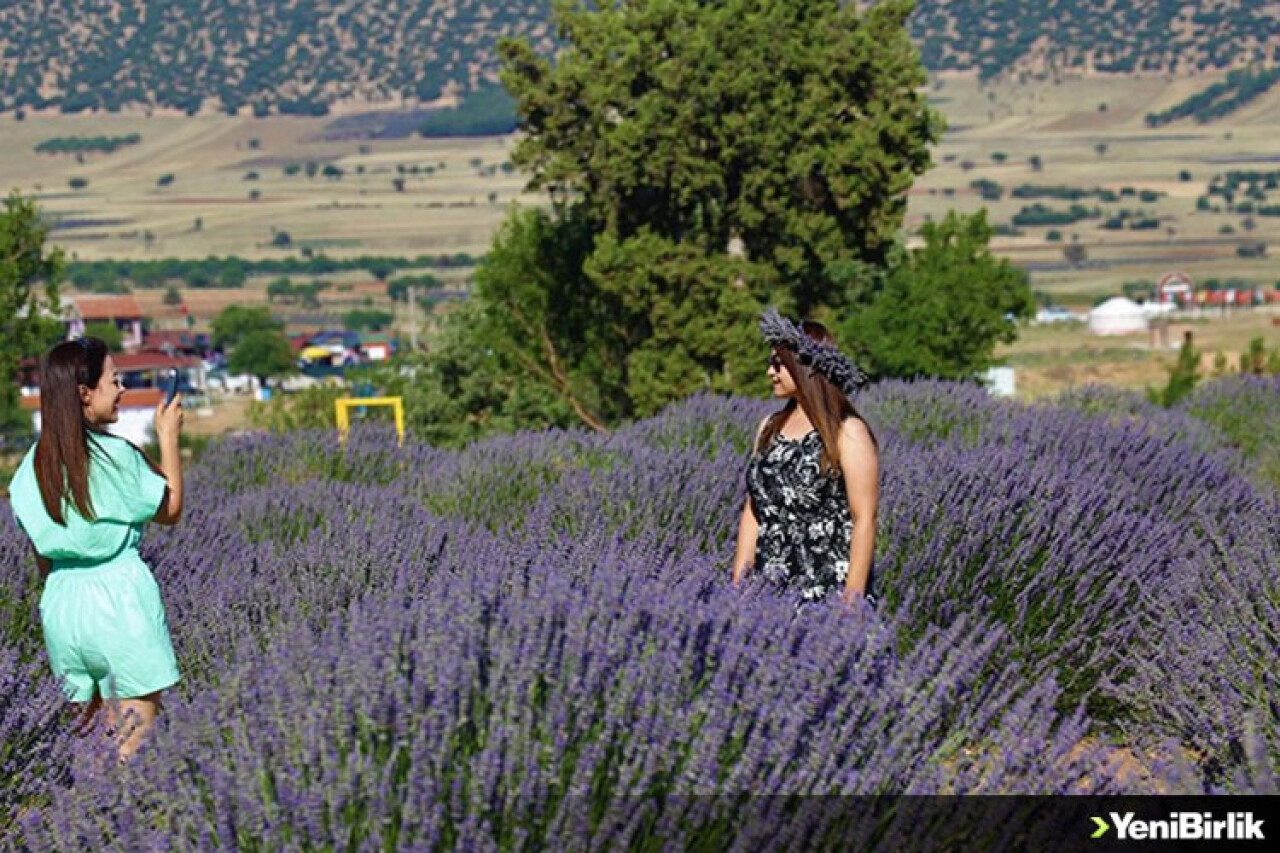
1183	826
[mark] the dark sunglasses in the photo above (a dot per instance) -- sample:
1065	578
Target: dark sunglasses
775	363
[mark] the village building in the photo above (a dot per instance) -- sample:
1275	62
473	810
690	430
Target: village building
122	311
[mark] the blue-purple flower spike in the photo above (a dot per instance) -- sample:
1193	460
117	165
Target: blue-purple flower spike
824	359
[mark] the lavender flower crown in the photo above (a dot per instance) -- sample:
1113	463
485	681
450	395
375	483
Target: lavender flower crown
824	359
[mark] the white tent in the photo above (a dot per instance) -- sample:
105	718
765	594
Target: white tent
1117	316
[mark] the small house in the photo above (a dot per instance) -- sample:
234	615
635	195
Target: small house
122	311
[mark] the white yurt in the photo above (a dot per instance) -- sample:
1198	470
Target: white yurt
1117	316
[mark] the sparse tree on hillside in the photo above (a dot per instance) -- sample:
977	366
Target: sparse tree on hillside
232	276
279	288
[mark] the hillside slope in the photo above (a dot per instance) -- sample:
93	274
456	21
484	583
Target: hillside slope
1106	36
291	56
303	57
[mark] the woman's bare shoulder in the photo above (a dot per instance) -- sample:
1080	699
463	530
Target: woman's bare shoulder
856	430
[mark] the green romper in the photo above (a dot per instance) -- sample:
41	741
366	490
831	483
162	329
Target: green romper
104	623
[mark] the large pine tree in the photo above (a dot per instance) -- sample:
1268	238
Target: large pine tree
721	156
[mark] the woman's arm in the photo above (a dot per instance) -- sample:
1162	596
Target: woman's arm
748	529
168	427
860	464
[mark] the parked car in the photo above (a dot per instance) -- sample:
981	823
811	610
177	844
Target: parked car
236	383
1056	314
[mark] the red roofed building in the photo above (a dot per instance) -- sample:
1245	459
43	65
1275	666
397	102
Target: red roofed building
146	370
121	311
297	343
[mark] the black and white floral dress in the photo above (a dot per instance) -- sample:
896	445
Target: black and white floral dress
804	521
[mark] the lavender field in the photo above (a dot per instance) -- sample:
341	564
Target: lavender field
532	643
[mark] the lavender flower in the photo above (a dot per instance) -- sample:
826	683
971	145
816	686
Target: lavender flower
532	642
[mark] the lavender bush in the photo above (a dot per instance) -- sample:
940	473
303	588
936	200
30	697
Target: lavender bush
531	642
1246	410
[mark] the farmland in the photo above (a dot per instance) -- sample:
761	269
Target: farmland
456	190
216	165
1083	135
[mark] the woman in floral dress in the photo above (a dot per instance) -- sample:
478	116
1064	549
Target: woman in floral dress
813	479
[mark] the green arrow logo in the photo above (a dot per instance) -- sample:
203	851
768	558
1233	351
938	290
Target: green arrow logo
1102	828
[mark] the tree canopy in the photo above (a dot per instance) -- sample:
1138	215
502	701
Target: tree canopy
108	332
795	127
263	353
705	160
29	276
943	307
235	322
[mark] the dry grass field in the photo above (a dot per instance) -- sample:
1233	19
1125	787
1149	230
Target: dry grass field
1087	133
211	160
1053	357
455	193
1064	125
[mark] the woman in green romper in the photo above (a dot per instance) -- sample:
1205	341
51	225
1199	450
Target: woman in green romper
82	495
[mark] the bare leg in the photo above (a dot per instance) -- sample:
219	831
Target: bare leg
85	713
132	720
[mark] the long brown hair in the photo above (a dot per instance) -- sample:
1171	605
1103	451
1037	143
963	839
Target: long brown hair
824	403
62	453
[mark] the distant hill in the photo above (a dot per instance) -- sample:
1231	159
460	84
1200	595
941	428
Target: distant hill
288	56
1100	36
305	56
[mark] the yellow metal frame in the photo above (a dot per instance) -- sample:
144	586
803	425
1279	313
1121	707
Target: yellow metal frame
343	405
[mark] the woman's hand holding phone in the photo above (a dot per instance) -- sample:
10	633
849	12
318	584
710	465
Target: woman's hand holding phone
168	428
171	384
169	420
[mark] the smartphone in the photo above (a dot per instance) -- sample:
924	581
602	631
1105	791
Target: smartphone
170	385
